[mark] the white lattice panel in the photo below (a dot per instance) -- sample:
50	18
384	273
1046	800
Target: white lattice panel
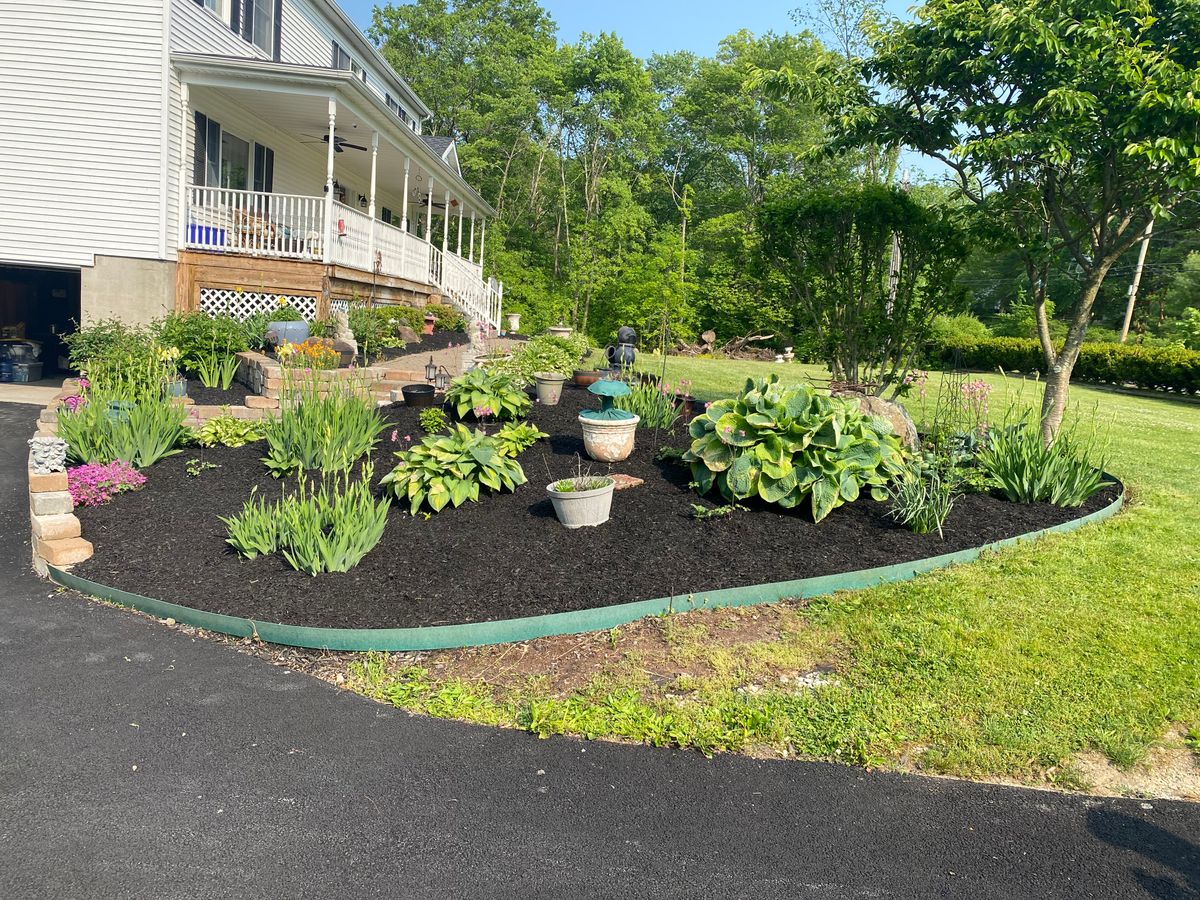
243	304
339	306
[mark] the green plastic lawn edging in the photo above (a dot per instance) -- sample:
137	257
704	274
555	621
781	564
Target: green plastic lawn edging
443	637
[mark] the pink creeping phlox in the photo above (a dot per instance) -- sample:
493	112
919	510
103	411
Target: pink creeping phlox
94	484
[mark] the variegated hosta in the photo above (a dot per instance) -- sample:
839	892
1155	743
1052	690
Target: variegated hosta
784	444
449	469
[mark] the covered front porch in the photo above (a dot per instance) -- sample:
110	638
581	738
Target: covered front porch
307	170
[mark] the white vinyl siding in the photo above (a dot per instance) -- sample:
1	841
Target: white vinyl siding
82	145
302	42
195	29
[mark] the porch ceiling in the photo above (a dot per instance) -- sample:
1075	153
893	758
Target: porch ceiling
294	100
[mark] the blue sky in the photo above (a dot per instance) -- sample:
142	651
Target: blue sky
650	26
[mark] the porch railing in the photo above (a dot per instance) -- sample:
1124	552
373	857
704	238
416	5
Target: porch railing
291	226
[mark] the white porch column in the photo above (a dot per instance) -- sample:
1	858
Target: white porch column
404	213
429	214
327	244
371	199
482	238
471	252
460	218
446	223
184	109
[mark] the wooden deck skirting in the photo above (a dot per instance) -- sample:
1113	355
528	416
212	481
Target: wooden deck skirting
197	269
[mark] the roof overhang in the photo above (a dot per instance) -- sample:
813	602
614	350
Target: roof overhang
237	73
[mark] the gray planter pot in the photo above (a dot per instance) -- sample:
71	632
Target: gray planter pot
549	387
582	509
292	332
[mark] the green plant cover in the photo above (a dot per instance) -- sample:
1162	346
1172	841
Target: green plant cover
449	469
514	438
788	444
483	389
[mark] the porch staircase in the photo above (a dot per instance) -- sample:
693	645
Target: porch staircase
411	369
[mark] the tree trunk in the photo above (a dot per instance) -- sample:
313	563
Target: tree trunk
1060	365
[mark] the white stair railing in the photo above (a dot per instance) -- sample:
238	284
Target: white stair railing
463	284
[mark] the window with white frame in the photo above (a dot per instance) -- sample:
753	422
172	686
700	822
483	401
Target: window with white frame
257	21
344	61
221	159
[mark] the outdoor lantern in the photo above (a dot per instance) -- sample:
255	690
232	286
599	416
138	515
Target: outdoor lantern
442	380
431	370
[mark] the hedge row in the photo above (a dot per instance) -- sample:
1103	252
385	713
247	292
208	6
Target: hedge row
1160	368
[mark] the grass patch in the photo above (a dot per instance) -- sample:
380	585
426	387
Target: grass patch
1009	667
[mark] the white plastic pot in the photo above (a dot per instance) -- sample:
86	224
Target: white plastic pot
582	509
549	387
608	440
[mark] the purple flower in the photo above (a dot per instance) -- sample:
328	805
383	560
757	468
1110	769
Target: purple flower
94	483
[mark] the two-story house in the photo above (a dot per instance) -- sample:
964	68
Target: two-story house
160	155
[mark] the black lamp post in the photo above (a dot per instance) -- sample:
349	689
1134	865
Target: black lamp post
430	370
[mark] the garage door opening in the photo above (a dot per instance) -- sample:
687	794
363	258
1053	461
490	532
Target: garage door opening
37	307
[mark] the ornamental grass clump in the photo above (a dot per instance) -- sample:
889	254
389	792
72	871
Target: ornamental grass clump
1030	470
654	402
325	424
503	395
786	445
450	469
921	500
325	527
94	484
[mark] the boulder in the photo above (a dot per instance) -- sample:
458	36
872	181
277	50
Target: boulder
347	351
408	335
893	413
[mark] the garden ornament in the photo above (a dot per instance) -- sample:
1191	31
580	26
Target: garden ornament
47	454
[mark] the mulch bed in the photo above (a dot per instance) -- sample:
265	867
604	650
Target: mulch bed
505	556
235	396
430	343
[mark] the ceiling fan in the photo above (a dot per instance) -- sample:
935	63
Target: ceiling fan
339	143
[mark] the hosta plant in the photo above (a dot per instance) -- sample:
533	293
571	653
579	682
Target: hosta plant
450	469
226	431
480	389
514	438
786	445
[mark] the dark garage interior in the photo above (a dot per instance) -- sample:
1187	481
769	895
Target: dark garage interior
36	307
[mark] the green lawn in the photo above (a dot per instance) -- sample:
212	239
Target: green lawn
1011	666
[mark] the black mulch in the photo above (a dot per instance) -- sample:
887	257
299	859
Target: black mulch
430	343
235	396
505	556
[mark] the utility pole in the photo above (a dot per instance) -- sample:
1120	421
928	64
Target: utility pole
1137	280
894	267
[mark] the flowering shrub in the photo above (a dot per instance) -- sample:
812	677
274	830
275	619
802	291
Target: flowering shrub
94	484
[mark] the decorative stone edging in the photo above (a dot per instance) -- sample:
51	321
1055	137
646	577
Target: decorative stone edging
441	637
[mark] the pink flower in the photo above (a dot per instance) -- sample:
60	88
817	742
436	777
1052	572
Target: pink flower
395	435
94	484
408	437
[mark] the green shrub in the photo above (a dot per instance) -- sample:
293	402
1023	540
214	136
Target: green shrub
546	353
1162	367
784	445
111	346
322	424
514	438
329	528
957	329
226	431
921	500
284	312
1188	328
1021	322
450	469
433	420
375	328
655	404
200	338
1030	471
482	389
448	318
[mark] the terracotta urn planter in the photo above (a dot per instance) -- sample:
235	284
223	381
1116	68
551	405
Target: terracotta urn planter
549	387
582	502
584	377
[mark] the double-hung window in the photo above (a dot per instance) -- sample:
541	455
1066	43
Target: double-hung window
259	22
340	59
224	160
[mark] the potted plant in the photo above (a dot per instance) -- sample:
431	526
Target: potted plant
549	387
560	330
583	501
608	433
514	322
286	324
